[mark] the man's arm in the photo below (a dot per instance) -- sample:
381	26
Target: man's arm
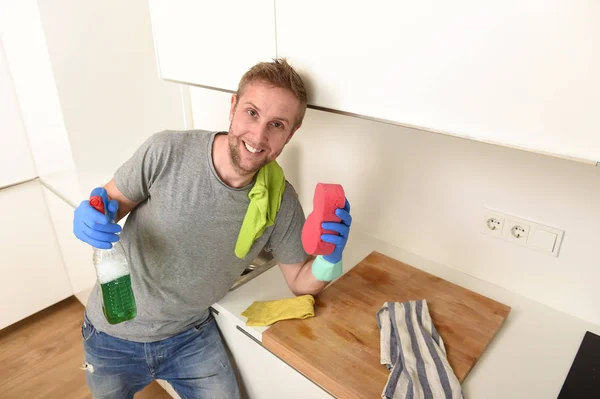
300	278
138	173
125	204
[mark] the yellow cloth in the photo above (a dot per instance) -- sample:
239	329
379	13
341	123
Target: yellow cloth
265	200
269	312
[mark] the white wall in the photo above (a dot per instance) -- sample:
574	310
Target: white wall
425	192
112	99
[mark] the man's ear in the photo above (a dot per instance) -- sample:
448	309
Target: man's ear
293	132
233	105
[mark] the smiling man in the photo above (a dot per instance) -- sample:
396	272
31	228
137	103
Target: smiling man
188	196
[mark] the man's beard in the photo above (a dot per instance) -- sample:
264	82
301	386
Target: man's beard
236	157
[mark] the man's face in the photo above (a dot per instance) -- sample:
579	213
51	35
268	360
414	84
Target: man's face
262	122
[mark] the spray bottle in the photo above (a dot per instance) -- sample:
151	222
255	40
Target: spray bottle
112	269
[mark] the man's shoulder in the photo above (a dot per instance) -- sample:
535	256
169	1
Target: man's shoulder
176	143
180	136
289	200
289	193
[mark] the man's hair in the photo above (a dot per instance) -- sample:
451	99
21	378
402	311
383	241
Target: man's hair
279	74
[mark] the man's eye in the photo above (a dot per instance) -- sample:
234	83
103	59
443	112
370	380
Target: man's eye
278	124
251	112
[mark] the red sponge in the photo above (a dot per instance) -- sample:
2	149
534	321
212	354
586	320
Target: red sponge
328	197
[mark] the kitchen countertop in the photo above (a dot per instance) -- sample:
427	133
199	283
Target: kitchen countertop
529	357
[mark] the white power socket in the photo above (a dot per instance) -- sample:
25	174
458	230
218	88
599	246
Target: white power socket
494	223
522	231
516	230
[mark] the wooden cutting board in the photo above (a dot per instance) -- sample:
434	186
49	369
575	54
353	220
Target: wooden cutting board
339	348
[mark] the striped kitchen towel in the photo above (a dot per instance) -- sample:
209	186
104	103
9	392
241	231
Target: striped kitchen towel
414	353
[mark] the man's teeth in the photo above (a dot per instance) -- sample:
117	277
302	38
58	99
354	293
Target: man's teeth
251	149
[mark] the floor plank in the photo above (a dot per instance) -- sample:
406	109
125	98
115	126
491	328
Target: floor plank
41	356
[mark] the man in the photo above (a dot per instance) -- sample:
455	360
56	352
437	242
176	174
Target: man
187	196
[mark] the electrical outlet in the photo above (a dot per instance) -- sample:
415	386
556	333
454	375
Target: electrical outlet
493	223
522	232
517	230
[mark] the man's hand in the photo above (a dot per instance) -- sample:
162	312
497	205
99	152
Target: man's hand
342	228
302	278
94	228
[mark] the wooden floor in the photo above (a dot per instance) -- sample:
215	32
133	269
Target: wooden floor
41	356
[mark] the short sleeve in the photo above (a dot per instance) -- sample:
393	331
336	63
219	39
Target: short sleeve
286	239
135	177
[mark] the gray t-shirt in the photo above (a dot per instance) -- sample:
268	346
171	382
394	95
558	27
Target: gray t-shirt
180	239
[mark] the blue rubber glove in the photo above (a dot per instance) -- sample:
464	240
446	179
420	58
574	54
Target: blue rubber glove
94	228
342	228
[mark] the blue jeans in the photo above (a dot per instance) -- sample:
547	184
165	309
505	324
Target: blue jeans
194	362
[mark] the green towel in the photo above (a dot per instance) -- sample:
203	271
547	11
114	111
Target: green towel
265	200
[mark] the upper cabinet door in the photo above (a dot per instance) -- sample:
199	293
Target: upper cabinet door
16	161
212	43
521	74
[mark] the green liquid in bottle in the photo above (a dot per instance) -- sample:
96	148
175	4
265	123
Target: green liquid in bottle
118	302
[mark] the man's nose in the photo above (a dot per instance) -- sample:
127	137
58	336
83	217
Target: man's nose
259	133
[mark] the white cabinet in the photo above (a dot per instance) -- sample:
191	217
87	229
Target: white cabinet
212	43
31	267
16	162
77	255
522	75
35	87
261	374
88	86
503	73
